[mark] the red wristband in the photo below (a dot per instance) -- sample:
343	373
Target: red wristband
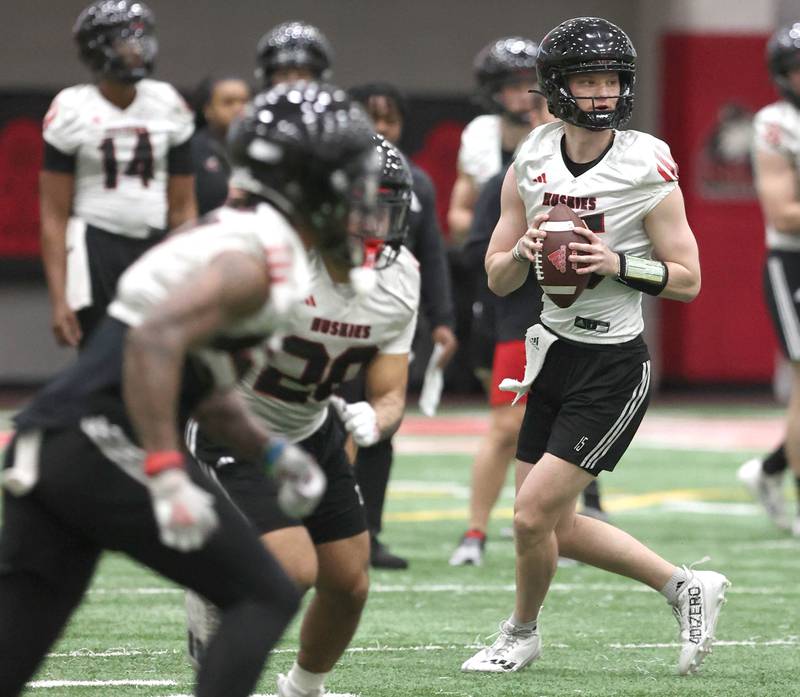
161	460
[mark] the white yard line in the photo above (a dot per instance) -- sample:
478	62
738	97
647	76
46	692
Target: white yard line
101	683
112	653
477	588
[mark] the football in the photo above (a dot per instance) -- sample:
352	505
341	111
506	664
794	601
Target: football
554	273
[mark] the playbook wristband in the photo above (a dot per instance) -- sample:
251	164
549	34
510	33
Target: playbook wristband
645	275
272	453
161	461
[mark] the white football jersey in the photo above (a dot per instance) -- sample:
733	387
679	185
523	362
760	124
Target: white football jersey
776	128
121	154
480	153
261	232
613	197
330	337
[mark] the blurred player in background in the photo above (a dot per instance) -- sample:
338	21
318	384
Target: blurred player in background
117	168
386	107
776	149
589	366
337	332
293	51
506	72
217	101
97	461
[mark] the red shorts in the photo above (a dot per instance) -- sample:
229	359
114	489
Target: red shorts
509	362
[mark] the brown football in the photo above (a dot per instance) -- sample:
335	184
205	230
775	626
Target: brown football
555	274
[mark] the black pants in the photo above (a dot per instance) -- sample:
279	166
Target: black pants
109	256
84	503
373	465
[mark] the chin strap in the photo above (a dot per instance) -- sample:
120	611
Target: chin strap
364	278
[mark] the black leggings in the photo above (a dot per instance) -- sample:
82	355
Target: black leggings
83	503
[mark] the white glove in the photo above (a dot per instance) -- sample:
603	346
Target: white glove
301	482
359	419
184	512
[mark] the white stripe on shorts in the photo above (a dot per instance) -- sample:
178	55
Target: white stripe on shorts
786	311
622	422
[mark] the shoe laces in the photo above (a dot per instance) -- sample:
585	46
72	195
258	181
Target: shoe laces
507	638
682	602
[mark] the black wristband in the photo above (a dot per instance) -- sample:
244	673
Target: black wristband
645	275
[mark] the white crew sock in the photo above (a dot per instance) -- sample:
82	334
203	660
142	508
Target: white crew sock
305	680
672	589
524	626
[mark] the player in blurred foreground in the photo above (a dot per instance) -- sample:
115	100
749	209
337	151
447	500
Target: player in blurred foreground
342	328
97	461
776	147
588	368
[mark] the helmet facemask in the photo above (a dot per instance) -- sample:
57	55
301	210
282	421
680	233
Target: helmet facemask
383	240
522	79
130	55
563	104
342	223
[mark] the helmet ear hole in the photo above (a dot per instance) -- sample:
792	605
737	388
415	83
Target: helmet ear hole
581	45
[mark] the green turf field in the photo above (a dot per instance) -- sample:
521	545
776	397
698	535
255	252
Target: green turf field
603	635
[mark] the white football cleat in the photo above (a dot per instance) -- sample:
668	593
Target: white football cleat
287	689
202	621
796	526
697	611
767	489
469	551
513	650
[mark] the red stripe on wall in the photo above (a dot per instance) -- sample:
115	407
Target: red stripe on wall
725	335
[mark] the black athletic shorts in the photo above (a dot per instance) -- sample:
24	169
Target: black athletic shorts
782	291
109	255
85	502
483	334
586	403
340	514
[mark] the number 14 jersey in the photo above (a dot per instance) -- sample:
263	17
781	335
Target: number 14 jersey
121	155
328	340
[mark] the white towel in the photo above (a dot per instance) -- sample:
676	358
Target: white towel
23	474
537	342
431	392
79	281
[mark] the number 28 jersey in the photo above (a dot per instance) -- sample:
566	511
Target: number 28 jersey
121	155
327	341
613	198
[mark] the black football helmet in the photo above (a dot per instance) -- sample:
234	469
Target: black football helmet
585	45
503	62
116	39
293	45
309	151
382	244
783	54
